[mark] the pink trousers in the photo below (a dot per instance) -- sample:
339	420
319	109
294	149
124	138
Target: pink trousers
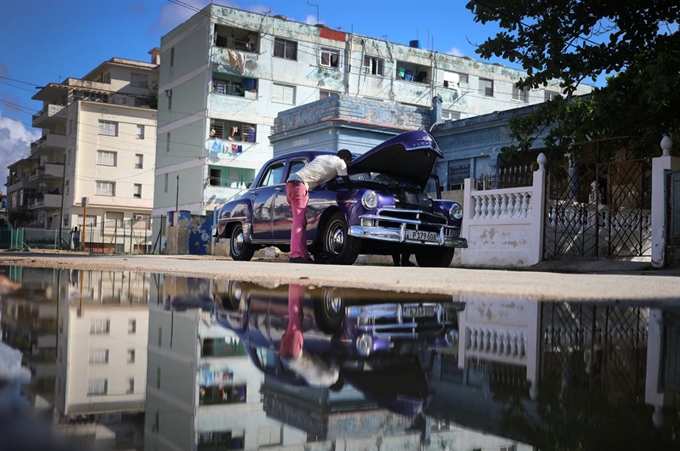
298	197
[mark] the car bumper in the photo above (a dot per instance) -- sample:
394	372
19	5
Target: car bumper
398	235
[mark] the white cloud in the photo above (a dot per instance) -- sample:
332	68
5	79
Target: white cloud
311	19
172	14
455	51
15	143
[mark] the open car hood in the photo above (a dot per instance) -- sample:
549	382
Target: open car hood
410	155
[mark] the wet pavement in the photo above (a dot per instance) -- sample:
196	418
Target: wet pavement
158	361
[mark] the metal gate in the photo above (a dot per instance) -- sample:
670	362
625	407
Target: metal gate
673	215
595	347
599	210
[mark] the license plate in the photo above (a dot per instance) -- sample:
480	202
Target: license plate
418	311
420	235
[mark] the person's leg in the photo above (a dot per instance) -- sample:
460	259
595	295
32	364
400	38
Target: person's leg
395	259
296	194
406	260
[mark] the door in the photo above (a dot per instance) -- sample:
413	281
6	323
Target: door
263	196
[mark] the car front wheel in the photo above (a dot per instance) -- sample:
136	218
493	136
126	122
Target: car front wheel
435	258
329	312
238	247
336	245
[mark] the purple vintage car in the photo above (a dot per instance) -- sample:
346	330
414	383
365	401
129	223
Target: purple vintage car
384	211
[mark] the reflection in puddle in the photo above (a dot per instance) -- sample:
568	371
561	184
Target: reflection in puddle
149	361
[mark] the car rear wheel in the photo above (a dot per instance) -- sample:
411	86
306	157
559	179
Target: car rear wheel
238	247
335	244
435	258
329	311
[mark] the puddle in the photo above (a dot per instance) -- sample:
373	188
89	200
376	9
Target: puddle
152	361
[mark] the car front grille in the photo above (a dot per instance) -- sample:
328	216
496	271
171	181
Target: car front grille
414	220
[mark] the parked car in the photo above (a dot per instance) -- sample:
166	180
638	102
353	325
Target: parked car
383	211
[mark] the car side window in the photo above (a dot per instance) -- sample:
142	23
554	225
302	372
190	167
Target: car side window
273	175
296	165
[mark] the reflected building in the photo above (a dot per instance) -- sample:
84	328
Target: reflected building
203	392
530	370
84	337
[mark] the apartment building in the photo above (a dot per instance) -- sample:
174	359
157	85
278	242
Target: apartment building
83	335
203	391
93	164
226	74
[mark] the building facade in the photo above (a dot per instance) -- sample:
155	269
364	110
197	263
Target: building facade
93	164
226	74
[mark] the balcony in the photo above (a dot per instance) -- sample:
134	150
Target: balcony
49	143
49	116
45	202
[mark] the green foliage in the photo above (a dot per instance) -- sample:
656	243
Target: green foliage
635	43
152	98
20	217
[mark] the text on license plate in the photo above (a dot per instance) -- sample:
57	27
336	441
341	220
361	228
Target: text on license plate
421	235
418	311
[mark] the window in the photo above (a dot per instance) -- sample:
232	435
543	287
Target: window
90	221
167	143
70	127
139	161
96	387
114	219
324	94
169	97
130	356
330	58
158	377
233	85
105	188
486	87
233	131
273	175
283	94
137	191
106	158
130	386
508	448
165	183
283	48
374	65
139	80
520	94
132	326
99	326
457	175
549	95
172	56
106	78
141	221
99	356
449	115
108	128
463	78
140	131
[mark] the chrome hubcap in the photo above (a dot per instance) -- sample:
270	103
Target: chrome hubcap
237	242
336	240
333	302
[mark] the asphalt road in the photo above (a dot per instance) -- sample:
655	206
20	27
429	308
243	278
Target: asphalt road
604	285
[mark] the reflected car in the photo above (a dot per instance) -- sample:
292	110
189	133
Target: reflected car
385	209
344	322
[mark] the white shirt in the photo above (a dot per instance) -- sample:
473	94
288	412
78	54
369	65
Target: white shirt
320	170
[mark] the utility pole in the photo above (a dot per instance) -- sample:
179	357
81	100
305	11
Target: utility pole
61	209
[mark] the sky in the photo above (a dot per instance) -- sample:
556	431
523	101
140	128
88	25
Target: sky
47	41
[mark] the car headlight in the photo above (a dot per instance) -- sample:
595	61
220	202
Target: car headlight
369	200
456	212
364	344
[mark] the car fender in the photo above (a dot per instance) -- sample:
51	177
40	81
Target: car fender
236	211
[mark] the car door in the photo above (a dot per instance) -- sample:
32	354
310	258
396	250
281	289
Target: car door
269	186
282	217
